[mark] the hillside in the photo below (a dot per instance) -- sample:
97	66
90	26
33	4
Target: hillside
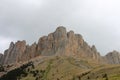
63	68
61	55
52	68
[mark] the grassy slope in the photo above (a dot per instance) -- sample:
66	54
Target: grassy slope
108	72
62	68
69	68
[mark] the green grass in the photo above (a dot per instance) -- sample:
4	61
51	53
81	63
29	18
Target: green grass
47	70
28	78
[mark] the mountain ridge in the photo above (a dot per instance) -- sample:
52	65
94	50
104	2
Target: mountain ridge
59	42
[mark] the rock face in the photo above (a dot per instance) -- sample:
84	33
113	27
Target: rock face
113	57
18	52
14	53
59	42
30	52
54	43
1	56
66	43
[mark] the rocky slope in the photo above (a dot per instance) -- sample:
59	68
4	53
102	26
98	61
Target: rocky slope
63	68
59	42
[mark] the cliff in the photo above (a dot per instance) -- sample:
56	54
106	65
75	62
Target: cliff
113	57
59	42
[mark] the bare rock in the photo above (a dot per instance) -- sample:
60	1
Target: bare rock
60	39
66	43
53	43
59	42
96	54
8	54
113	57
19	52
30	52
1	57
14	53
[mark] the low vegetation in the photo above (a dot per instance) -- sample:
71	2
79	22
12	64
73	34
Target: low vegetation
64	68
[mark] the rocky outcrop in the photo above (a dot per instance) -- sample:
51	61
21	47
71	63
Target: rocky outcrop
1	56
54	43
113	57
14	53
19	52
96	54
59	42
66	43
30	52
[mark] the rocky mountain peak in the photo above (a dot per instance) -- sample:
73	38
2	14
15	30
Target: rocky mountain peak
60	34
70	34
11	45
93	48
59	42
60	29
113	57
62	42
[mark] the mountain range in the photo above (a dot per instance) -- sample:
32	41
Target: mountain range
60	45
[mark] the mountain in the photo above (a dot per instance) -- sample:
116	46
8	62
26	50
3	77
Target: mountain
59	42
60	55
113	57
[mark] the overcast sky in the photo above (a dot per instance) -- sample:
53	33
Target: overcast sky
97	20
